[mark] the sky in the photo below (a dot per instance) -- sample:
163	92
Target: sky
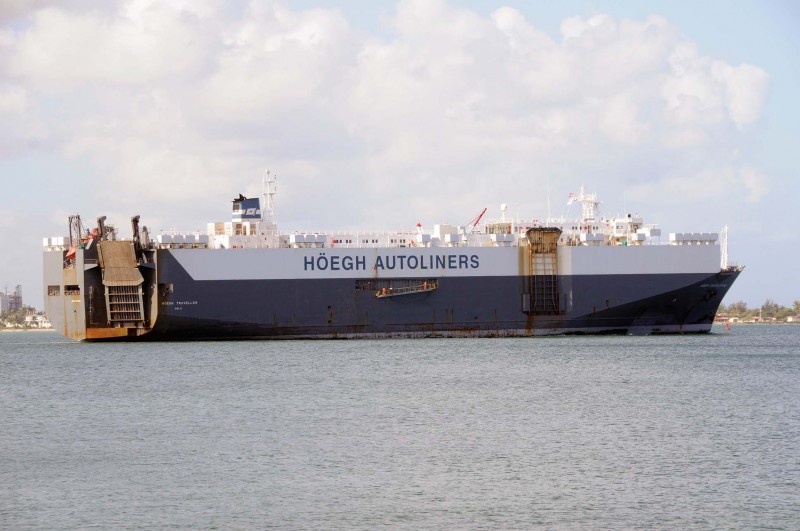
383	114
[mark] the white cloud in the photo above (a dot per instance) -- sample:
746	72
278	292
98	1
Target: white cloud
702	93
141	43
730	184
745	88
754	182
13	99
277	61
191	100
591	30
521	35
149	154
18	8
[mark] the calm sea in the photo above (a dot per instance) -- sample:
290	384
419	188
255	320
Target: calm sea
569	432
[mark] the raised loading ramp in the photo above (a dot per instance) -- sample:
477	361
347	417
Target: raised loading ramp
123	283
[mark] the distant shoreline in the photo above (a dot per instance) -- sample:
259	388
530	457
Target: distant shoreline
27	330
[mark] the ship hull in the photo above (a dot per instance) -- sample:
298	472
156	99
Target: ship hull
646	316
205	294
481	306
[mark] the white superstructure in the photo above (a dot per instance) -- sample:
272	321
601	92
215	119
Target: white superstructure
590	229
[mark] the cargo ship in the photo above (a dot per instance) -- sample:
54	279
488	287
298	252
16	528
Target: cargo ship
245	279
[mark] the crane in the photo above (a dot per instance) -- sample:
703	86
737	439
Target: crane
474	222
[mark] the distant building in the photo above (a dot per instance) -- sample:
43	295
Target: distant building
722	317
793	319
11	302
37	321
15	299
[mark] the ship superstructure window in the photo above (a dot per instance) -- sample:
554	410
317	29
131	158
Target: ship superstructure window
72	290
53	291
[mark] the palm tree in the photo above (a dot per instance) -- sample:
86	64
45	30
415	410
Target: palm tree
738	308
770	308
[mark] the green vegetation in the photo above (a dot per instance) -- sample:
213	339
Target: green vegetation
770	310
16	319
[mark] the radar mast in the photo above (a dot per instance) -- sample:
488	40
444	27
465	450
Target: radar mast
269	191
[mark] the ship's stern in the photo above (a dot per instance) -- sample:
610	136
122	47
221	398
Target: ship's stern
99	290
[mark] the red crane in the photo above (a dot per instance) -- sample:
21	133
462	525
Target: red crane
474	222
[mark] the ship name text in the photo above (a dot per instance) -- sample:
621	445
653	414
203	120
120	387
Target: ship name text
323	262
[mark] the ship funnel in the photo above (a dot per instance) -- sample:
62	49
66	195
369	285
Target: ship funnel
245	209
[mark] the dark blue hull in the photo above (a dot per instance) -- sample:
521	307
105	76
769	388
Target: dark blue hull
459	306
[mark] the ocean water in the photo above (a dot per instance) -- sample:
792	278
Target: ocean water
653	432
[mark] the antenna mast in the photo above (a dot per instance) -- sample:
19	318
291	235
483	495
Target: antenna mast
724	250
589	204
269	191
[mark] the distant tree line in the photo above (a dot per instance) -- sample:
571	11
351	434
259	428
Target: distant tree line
16	319
769	309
